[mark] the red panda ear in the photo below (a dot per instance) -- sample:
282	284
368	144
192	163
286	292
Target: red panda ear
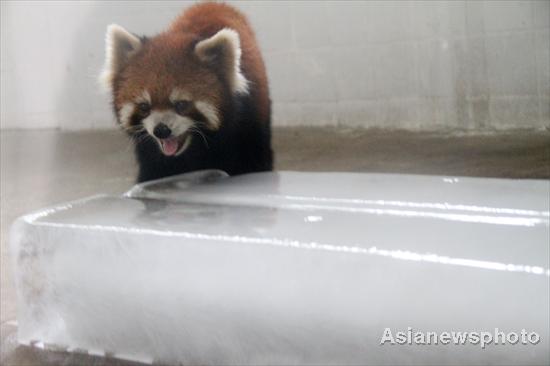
120	46
223	50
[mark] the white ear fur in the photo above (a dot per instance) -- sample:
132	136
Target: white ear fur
224	49
120	45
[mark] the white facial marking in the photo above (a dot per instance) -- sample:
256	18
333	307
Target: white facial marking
210	112
227	40
179	94
184	146
178	124
125	113
145	97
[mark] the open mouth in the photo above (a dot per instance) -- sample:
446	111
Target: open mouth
173	145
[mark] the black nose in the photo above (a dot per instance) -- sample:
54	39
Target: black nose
162	131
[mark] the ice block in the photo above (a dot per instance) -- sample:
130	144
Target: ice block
289	268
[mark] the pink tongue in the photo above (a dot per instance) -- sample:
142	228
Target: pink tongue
169	146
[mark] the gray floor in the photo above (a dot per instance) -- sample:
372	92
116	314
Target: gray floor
40	168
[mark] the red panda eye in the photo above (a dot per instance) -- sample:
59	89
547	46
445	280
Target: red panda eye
181	106
144	108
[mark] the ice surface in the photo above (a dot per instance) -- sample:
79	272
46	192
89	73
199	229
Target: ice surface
288	268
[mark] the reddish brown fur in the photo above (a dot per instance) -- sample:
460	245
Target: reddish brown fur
206	19
172	51
239	139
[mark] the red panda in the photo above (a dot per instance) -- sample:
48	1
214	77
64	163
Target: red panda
193	97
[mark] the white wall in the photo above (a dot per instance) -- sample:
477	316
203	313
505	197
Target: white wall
448	64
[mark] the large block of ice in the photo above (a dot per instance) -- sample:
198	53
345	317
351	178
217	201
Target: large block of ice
289	268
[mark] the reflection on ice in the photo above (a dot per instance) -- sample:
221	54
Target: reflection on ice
482	219
286	268
431	205
394	254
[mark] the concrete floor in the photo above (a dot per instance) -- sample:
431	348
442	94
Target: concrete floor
40	168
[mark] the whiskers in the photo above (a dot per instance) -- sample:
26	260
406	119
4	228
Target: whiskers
138	133
196	130
141	137
133	129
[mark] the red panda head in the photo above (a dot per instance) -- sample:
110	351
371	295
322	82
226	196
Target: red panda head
172	85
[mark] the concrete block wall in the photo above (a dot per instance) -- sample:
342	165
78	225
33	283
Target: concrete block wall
473	65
